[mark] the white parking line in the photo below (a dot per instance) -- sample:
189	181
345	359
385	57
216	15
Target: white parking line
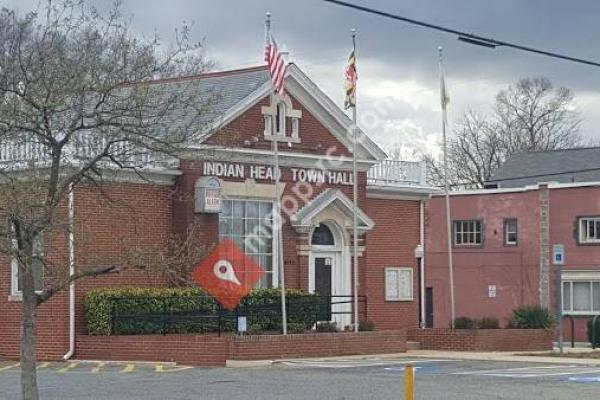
535	372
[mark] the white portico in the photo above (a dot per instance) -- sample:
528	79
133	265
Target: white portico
327	223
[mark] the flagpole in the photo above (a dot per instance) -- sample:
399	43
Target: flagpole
444	103
355	199
277	221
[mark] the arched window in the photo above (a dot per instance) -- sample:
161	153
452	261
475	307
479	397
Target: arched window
280	119
322	236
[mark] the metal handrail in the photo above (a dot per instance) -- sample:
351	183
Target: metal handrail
212	317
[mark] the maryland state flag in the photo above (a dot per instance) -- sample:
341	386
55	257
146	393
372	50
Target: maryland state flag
350	85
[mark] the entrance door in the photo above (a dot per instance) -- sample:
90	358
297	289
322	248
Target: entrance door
429	307
323	286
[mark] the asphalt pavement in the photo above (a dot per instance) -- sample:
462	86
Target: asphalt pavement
339	379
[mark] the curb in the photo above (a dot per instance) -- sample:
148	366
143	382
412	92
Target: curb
508	357
266	363
248	363
165	363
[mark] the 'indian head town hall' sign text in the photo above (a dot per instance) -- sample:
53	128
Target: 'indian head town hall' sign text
230	170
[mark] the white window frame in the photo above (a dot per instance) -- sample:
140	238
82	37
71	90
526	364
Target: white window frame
467	233
274	271
507	232
399	270
583	230
280	118
571	311
15	293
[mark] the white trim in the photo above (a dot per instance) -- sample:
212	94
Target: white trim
315	94
527	188
287	159
413	193
341	271
14	277
334	111
579	277
581	232
305	215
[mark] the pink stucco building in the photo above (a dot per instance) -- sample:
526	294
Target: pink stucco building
507	246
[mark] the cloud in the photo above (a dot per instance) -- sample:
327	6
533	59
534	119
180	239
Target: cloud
397	62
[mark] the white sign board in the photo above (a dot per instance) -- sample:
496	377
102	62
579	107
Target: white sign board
492	291
242	323
208	195
398	284
558	254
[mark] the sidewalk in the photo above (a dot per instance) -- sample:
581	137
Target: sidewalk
501	356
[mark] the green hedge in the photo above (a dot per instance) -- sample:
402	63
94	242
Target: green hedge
167	310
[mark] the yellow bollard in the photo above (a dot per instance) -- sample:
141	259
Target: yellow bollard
409	382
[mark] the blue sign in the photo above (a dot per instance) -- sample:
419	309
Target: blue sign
558	251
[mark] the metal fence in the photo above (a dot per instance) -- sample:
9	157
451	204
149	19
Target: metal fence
201	314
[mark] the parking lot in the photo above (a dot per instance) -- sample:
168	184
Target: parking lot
340	379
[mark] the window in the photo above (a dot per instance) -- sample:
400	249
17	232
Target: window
250	225
398	284
510	232
280	119
467	233
581	297
589	230
38	269
322	236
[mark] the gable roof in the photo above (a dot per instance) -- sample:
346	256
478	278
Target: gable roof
563	166
328	198
233	92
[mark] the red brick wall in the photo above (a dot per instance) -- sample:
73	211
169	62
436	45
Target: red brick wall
483	339
187	349
315	138
213	350
391	244
137	216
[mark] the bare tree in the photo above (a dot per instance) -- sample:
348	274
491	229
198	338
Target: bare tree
532	116
474	153
528	116
77	104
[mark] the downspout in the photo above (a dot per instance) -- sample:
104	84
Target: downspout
71	273
422	263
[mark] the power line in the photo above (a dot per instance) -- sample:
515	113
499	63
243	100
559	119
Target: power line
463	36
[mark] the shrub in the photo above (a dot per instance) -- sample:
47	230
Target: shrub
294	327
488	323
191	310
531	317
589	332
327	327
464	323
366	326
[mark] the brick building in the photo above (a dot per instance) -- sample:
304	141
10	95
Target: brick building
508	244
231	169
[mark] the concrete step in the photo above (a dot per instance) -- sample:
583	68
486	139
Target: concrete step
413	346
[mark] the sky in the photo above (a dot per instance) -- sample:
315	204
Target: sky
398	88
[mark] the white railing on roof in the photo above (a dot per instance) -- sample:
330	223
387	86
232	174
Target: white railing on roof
15	156
398	173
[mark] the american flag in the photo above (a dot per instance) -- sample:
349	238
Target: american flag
276	63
